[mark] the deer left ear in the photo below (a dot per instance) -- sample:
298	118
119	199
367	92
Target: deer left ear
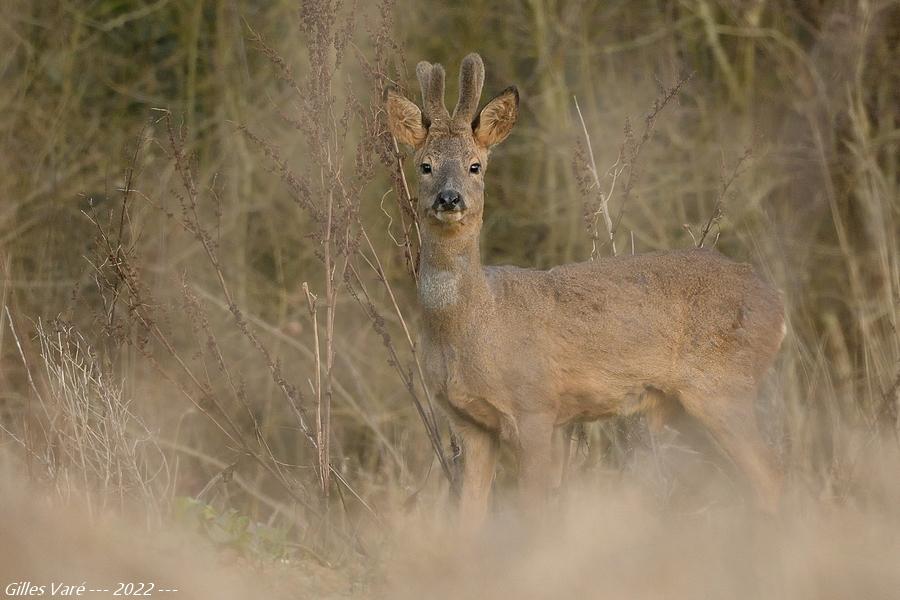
497	118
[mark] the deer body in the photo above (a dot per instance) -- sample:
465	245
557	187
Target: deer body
588	340
513	353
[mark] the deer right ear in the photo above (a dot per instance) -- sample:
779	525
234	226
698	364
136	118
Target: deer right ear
404	119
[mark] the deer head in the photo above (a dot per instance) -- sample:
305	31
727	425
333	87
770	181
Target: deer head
451	151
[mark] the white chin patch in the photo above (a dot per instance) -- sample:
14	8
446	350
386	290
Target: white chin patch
448	217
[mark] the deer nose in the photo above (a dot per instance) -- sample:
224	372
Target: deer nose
449	200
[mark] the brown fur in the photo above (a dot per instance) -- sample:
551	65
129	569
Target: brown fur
514	353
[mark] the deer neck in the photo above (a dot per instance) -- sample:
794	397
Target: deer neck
452	284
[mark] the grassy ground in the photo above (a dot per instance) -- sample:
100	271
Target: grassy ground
208	314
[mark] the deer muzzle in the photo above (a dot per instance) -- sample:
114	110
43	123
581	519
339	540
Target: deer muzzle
448	206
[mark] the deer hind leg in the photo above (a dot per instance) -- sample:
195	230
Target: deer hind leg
732	423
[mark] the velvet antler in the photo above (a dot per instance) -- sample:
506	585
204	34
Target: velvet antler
471	80
431	79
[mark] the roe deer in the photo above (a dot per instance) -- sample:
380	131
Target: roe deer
513	353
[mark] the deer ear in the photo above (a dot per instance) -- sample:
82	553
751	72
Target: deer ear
404	119
497	118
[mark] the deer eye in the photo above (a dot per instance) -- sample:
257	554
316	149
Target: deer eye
475	168
425	168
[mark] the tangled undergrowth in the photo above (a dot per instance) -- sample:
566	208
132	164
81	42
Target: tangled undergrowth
209	259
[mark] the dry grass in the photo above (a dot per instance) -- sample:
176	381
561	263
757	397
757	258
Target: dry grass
84	438
209	259
615	542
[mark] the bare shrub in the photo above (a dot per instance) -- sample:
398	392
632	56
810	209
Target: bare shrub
85	438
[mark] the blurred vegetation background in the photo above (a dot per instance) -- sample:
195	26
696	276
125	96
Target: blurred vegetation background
784	140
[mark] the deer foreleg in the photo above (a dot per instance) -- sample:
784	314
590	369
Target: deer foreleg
535	447
479	448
